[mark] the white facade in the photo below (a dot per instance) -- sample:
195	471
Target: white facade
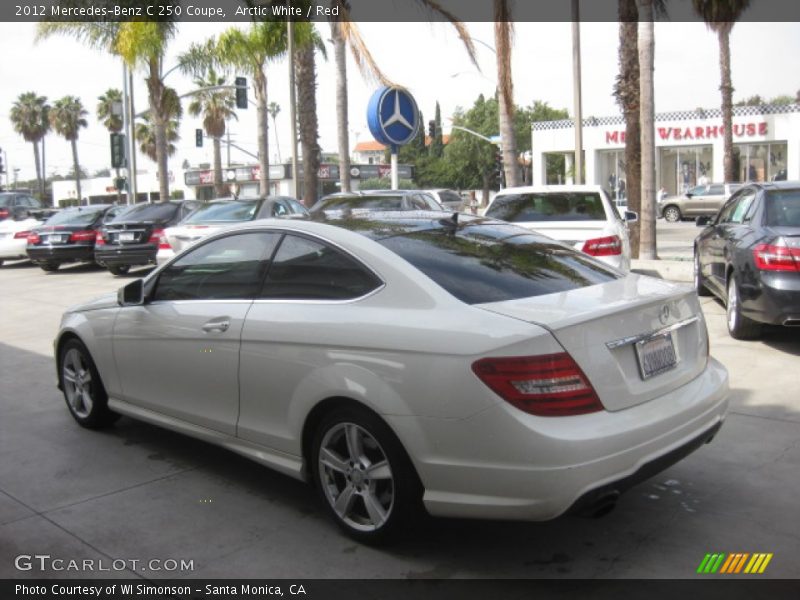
97	190
689	147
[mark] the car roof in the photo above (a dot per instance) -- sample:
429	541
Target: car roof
542	189
775	185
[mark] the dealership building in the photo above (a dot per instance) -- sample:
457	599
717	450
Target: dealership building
689	148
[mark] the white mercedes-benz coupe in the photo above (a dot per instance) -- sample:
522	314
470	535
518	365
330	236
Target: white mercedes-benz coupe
407	360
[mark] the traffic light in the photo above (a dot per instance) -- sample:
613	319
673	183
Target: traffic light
241	92
117	150
498	164
431	129
198	138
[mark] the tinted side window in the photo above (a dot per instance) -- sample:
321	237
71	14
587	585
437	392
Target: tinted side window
304	269
735	208
232	267
783	208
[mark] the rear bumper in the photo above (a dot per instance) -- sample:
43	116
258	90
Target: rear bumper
774	299
12	248
126	255
61	254
506	464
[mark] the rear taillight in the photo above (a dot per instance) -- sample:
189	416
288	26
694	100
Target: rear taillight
21	235
604	246
3	213
98	240
33	238
773	257
159	237
550	385
83	236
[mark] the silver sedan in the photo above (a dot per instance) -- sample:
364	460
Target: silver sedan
402	362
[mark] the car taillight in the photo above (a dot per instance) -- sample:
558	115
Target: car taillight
20	235
3	213
773	257
159	237
98	240
34	238
604	246
550	385
83	236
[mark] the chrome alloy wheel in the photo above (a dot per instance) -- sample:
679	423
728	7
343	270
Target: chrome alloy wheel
77	378
732	306
356	477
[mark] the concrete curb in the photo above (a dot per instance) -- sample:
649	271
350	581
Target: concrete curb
671	269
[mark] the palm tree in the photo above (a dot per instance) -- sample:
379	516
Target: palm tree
216	106
720	16
646	42
503	37
110	119
29	117
274	108
67	117
145	132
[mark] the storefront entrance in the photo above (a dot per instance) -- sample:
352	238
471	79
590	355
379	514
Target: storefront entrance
683	167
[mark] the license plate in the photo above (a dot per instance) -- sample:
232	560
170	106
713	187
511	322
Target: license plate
126	236
57	239
656	355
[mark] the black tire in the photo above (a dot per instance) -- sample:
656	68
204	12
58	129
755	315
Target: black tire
1	262
50	266
118	269
739	326
383	501
672	213
86	398
699	280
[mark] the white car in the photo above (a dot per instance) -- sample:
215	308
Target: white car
402	360
14	238
582	216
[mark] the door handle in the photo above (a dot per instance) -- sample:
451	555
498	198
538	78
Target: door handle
220	326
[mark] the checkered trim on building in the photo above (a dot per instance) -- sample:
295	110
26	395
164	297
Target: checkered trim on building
681	115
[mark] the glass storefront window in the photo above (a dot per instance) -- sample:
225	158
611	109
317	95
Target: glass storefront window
760	162
611	172
683	167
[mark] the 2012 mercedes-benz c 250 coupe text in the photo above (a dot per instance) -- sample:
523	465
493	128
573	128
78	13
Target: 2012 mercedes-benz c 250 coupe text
402	361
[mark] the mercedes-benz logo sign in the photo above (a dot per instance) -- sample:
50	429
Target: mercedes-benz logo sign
393	117
663	314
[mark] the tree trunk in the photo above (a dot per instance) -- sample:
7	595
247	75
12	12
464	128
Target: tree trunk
307	120
155	89
726	87
219	186
263	130
505	101
39	179
647	242
342	130
77	167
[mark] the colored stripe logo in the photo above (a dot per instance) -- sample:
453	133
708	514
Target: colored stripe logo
734	563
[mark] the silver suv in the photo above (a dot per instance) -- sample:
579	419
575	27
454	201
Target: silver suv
699	201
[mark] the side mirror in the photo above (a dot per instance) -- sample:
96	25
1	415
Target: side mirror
704	221
131	294
631	217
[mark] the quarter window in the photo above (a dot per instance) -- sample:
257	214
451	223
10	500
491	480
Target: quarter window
304	269
228	268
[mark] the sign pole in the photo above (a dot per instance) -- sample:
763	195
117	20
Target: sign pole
395	181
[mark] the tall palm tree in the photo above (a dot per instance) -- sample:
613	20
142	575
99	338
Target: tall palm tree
29	117
503	39
145	132
720	16
216	106
274	108
646	42
67	117
109	118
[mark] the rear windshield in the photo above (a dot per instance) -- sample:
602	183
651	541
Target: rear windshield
229	212
362	202
481	264
76	216
147	212
5	200
783	208
549	206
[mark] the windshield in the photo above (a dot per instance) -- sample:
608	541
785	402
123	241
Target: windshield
225	212
76	216
783	208
147	212
5	200
483	264
548	206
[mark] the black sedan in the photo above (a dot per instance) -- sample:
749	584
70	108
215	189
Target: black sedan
749	256
69	235
134	237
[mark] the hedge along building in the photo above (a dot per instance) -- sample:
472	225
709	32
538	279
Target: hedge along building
689	148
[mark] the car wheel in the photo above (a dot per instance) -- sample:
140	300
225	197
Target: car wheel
119	269
699	280
83	390
672	214
364	475
739	326
50	266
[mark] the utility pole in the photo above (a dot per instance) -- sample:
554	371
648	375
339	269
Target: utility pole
132	181
576	91
293	110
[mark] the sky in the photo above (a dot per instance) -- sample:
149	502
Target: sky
427	58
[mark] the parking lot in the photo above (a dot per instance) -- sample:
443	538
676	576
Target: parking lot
136	492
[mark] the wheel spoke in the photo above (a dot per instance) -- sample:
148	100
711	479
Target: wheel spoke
69	375
376	512
354	442
332	460
380	470
86	400
345	501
